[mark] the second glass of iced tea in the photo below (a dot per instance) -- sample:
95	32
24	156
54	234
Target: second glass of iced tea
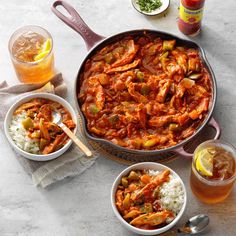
213	171
31	50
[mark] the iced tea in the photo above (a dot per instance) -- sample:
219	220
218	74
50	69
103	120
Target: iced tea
213	171
31	53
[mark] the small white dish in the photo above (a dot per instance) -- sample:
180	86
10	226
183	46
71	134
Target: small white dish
146	166
164	6
38	157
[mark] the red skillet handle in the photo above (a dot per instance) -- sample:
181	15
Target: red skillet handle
180	151
76	23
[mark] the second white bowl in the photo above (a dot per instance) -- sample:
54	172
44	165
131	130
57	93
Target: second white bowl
8	119
146	166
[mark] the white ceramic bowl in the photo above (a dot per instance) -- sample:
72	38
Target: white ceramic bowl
164	6
38	157
147	166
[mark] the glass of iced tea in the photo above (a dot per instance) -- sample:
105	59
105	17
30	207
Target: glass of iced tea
31	50
213	171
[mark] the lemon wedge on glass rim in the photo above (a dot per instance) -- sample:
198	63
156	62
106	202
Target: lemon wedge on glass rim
45	50
204	162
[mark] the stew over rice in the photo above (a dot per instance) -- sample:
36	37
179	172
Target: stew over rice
38	123
149	199
145	92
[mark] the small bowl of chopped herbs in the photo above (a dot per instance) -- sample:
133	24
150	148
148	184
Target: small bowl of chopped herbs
151	7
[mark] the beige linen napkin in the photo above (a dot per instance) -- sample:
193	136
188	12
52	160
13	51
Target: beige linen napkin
71	163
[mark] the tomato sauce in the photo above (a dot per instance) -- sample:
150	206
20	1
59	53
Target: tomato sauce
190	16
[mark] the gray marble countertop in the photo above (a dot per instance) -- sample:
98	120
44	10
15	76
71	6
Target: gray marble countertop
81	205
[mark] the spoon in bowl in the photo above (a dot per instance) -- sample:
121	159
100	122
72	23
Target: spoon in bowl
58	120
194	225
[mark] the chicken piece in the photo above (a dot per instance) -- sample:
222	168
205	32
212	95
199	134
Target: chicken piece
203	106
138	97
56	144
95	91
97	131
98	92
181	59
152	219
70	124
142	115
27	106
119	83
160	121
45	112
132	65
164	89
119	142
44	130
158	180
132	214
119	200
198	91
166	119
127	56
194	64
161	177
171	67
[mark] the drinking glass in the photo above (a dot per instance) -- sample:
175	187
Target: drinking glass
216	185
31	51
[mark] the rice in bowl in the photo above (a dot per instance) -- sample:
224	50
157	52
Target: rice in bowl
171	194
19	135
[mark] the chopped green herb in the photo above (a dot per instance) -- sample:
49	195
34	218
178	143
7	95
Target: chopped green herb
149	5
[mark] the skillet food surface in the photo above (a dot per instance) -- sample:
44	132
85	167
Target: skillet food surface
144	92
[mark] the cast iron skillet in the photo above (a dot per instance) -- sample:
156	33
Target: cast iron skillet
95	42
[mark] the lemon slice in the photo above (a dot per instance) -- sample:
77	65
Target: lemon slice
41	55
47	45
204	162
45	50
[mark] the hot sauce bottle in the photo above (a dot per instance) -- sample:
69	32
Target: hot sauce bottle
190	16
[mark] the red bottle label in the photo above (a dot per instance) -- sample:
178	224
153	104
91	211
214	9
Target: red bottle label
190	16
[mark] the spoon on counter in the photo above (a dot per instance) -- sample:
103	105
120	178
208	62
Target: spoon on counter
57	119
194	225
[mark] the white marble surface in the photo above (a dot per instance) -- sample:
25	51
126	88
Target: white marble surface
81	206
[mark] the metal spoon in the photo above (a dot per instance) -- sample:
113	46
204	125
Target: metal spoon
58	120
194	225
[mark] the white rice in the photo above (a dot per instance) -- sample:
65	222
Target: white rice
171	194
20	135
